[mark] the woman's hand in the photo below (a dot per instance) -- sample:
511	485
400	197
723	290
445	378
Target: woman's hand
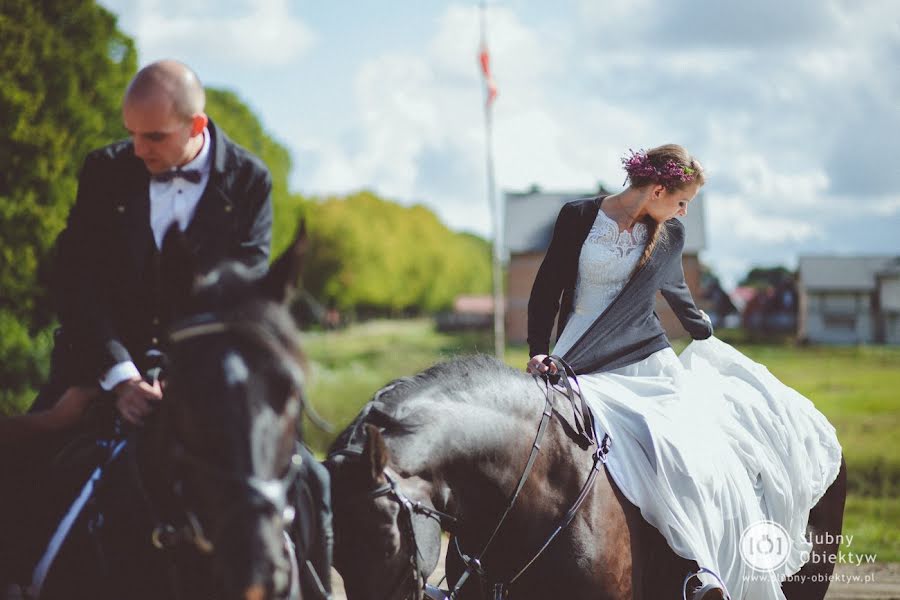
537	366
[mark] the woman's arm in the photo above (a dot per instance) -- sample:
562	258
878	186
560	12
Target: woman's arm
62	415
543	304
679	297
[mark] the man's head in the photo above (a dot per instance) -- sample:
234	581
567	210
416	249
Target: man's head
163	112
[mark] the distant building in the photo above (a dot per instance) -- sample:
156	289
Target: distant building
530	217
469	313
850	299
772	309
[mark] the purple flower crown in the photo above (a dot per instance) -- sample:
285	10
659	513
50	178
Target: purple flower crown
669	174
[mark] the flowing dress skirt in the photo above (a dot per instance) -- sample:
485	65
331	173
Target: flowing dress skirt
707	444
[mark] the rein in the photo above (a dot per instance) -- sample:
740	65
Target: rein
585	424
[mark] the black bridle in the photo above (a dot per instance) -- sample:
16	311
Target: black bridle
587	433
258	495
408	508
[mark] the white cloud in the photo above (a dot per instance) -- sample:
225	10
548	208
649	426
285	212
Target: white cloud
410	107
260	33
737	217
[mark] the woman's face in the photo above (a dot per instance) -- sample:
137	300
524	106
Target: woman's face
665	204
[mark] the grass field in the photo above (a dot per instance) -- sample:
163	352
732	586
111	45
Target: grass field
857	388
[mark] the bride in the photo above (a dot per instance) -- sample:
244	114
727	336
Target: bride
707	444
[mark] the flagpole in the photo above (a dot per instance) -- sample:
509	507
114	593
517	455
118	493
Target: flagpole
496	248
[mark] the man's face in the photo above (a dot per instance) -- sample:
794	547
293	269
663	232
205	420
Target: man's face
162	139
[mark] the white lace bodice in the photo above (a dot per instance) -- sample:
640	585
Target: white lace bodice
608	258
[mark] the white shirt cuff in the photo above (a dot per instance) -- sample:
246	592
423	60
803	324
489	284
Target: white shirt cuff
119	373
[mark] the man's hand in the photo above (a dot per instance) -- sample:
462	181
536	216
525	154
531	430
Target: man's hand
135	399
536	365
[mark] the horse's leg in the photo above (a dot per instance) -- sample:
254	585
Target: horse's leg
825	524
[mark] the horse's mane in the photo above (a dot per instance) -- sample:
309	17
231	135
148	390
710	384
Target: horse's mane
411	404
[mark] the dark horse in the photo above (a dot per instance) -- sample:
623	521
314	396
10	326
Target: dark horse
447	448
198	503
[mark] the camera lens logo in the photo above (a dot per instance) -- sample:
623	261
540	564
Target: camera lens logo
765	545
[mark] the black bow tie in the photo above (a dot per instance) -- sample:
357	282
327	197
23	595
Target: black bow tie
189	175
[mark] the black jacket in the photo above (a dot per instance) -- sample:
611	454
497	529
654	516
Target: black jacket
106	279
628	330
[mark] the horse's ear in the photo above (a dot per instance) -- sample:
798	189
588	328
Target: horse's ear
375	454
282	277
177	270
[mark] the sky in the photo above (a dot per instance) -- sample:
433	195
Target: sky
792	106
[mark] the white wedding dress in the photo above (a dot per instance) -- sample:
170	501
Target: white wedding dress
707	443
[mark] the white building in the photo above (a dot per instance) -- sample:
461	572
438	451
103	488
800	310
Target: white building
849	299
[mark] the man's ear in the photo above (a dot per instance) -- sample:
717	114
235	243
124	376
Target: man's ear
177	271
284	273
198	123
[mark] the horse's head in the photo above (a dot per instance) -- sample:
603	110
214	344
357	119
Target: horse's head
225	438
386	533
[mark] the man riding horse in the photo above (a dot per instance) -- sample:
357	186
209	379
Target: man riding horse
179	168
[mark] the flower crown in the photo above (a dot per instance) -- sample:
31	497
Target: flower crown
670	174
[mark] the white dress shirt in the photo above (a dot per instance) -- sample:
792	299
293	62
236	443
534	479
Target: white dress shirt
173	201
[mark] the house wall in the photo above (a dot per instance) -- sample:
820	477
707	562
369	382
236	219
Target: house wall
523	268
839	317
889	304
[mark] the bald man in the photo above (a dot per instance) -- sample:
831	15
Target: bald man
177	167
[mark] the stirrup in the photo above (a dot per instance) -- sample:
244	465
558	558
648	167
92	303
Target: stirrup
705	587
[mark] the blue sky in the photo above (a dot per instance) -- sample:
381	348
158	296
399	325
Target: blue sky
793	106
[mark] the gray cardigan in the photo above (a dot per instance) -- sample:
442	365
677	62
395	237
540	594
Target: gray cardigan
628	330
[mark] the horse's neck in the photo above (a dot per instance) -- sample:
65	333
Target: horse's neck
471	451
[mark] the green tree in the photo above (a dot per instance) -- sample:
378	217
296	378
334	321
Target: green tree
63	67
373	255
763	277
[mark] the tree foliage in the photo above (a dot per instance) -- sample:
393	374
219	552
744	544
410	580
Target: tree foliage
763	277
371	254
63	68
